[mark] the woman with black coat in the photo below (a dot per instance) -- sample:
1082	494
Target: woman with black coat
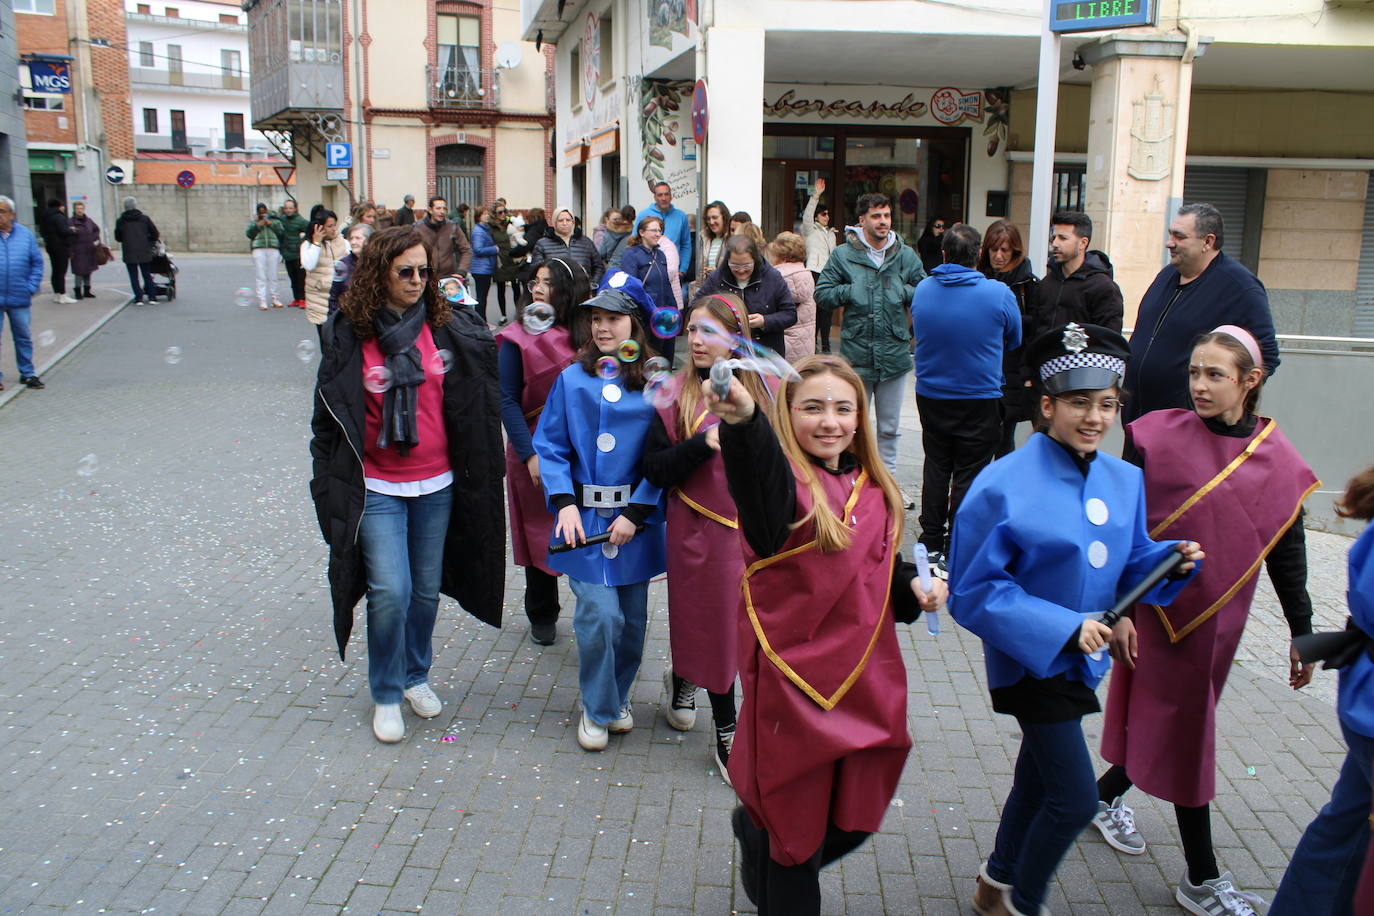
407	468
1003	258
566	241
745	272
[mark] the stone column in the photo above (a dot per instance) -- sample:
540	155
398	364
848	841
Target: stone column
1137	136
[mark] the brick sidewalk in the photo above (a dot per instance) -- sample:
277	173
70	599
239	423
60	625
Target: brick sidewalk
181	736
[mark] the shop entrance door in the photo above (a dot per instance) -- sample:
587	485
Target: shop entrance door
787	186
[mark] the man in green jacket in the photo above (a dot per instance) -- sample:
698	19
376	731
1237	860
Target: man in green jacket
870	280
294	229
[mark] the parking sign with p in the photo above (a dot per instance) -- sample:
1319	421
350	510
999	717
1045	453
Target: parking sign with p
338	155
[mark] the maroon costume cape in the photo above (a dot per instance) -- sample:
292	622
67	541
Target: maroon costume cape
1236	497
705	564
542	356
822	734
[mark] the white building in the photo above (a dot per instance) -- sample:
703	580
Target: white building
188	71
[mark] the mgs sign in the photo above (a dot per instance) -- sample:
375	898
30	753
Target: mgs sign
50	76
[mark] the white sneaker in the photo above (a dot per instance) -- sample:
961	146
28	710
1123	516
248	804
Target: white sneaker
591	736
66	300
423	702
908	501
1116	822
1216	897
387	723
682	701
623	722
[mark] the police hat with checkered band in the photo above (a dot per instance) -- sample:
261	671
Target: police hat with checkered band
1079	357
621	293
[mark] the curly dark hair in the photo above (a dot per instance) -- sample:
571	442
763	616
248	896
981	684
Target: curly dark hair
367	290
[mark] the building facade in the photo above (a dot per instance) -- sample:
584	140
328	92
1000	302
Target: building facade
14	159
74	87
433	97
1269	115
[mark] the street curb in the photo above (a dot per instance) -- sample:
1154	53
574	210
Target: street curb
10	395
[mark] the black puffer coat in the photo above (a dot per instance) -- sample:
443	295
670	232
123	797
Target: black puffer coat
475	548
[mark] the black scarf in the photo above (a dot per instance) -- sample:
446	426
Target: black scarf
396	336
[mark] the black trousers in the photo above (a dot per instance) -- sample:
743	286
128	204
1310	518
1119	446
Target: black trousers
59	270
296	272
824	319
541	596
787	890
959	437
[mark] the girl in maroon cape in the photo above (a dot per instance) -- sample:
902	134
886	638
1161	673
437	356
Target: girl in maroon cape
822	734
704	564
1223	476
532	353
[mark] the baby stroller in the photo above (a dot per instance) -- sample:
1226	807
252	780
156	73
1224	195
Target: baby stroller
164	269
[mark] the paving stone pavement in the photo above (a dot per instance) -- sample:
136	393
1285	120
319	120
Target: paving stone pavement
179	735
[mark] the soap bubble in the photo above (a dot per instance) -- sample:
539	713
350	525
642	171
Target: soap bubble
655	366
244	296
628	351
440	362
172	355
46	338
662	389
377	379
608	367
758	358
87	466
538	317
305	350
665	322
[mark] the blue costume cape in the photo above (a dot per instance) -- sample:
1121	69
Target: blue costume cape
1033	550
1355	701
571	448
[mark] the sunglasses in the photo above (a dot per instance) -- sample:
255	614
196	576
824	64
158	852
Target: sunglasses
939	225
408	273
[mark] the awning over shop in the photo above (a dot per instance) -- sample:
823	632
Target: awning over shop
48	160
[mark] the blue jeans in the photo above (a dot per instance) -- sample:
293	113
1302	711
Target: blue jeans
1053	797
609	624
886	397
1326	865
402	539
23	343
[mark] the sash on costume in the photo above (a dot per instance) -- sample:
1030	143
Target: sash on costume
1248	504
704	493
809	654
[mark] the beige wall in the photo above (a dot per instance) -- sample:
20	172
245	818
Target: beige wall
522	89
520	165
396	58
1229	122
404	172
1313	222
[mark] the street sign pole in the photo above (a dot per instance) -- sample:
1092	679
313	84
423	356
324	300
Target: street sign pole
1042	167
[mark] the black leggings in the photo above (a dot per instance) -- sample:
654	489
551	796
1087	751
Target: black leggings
1194	826
793	890
541	596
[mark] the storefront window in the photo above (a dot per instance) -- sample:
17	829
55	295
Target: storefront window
890	166
798	147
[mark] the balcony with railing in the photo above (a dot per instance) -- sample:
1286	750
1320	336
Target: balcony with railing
463	88
218	82
295	50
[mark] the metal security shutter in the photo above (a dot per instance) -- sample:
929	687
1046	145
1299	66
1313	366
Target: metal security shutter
1227	190
1364	282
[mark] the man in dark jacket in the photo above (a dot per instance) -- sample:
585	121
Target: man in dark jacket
1078	284
964	324
135	233
452	250
1200	289
405	214
294	227
872	278
57	237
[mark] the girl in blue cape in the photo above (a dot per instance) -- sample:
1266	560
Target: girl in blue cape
1045	541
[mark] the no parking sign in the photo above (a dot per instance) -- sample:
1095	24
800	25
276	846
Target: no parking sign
186	178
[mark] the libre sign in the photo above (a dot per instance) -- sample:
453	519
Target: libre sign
1090	15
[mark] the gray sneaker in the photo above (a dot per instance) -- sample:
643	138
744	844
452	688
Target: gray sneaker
1217	897
1116	822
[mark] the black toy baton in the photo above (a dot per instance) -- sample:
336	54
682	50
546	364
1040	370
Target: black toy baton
601	538
1131	598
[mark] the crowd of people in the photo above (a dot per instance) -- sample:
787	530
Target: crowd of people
773	504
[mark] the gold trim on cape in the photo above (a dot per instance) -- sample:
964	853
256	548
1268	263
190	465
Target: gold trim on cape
698	507
1204	490
824	702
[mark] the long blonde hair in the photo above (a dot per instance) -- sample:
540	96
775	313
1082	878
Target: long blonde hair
728	310
832	534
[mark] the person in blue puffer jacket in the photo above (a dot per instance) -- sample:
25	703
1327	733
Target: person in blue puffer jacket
21	273
485	252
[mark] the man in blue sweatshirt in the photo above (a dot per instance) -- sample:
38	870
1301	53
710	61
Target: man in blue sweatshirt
962	321
675	226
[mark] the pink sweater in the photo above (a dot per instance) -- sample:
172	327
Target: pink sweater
430	457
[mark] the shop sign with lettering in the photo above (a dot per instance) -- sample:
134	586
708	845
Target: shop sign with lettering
947	106
1091	15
